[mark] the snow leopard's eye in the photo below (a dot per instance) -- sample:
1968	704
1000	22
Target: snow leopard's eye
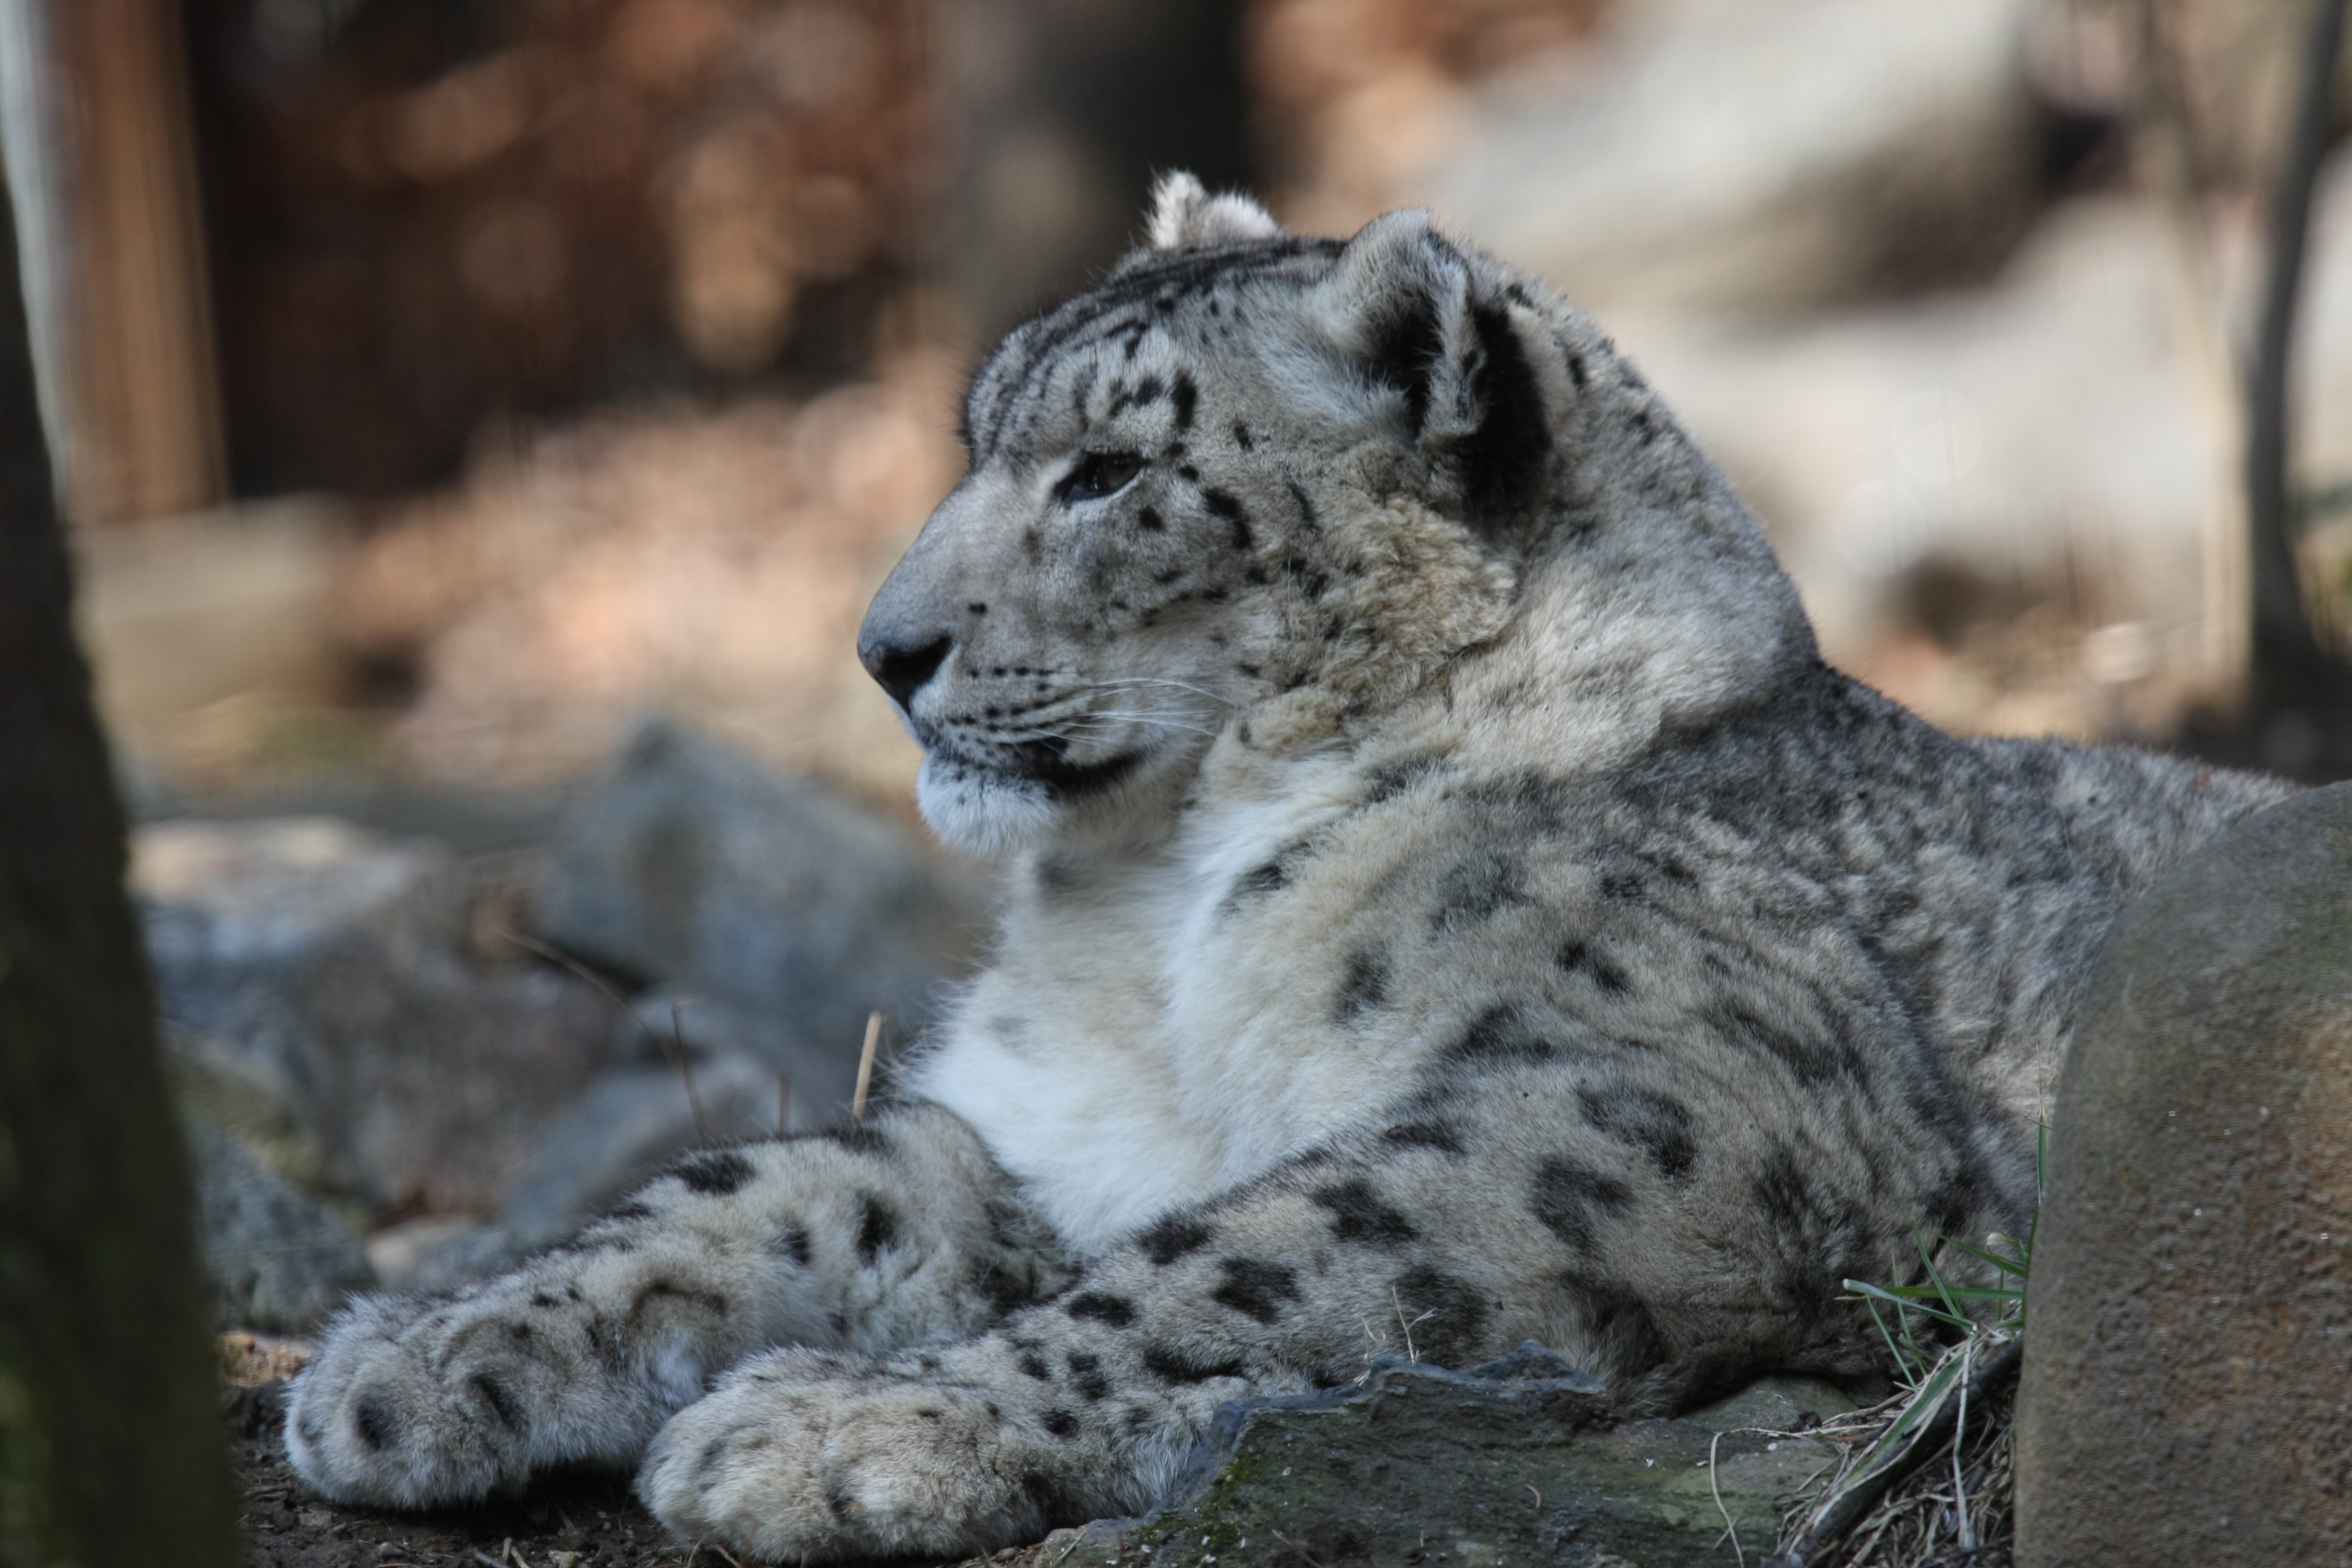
1100	474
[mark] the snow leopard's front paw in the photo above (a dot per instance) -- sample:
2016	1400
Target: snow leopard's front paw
802	1456
410	1404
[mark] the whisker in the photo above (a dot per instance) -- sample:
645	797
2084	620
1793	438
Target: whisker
1161	680
1159	719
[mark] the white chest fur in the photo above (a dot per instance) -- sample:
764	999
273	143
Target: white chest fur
1136	1046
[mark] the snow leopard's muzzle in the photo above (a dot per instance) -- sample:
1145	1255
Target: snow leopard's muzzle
1036	721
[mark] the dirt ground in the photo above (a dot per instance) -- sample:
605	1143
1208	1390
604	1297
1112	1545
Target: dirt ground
574	1518
582	1519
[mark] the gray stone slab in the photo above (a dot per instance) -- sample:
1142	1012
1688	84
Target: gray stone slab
1520	1461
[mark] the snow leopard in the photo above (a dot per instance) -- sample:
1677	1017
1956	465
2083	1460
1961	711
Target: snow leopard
1451	903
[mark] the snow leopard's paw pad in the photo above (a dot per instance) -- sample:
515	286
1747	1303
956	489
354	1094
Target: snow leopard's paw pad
802	1456
390	1410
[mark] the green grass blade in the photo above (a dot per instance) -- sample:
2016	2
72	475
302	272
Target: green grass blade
1942	1315
1935	1276
1902	1367
2006	1264
1914	1294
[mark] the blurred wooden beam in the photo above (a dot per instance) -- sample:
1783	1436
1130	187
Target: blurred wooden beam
101	150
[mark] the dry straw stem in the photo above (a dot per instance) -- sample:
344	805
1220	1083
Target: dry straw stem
865	1065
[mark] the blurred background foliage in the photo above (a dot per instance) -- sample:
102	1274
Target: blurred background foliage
441	383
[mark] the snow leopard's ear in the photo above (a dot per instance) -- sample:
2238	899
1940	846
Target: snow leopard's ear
1406	309
1185	216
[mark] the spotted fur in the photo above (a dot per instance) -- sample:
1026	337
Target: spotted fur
1453	904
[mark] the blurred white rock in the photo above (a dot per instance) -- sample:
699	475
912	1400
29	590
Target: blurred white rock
2042	433
2008	432
1732	153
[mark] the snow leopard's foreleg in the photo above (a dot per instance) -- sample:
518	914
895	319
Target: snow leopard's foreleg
1084	1406
896	1232
1653	1254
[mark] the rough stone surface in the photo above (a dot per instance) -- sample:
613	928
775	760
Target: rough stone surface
364	981
1749	154
788	907
278	1257
2188	1382
1517	1461
1777	1404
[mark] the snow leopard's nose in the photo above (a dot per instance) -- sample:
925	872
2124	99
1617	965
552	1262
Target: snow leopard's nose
921	608
902	663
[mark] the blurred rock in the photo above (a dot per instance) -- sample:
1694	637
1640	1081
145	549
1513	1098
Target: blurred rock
791	910
433	1250
340	971
249	1098
1934	469
1738	154
632	1123
442	1252
279	1258
429	1076
234	910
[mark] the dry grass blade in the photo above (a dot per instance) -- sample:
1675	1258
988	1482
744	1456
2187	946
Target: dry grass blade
1943	1498
673	1045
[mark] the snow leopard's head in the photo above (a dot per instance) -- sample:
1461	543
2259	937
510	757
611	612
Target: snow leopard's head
1246	465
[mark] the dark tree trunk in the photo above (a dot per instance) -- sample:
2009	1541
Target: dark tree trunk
1067	110
111	1453
2290	669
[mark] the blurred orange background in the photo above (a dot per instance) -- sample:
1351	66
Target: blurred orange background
442	383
